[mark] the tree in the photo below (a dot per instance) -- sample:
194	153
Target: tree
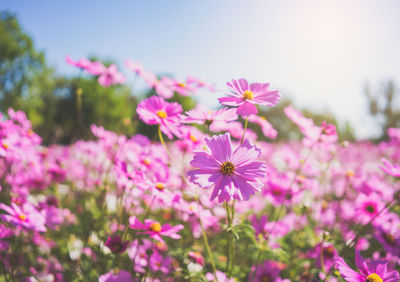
287	130
384	106
19	62
50	100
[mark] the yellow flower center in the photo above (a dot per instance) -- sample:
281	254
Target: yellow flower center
349	173
5	146
194	139
155	226
248	95
370	208
161	114
182	84
324	205
160	186
146	161
22	217
266	278
374	278
389	238
227	168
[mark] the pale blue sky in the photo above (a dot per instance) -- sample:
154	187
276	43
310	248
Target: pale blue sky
320	53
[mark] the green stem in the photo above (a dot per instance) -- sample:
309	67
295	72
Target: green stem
207	245
160	136
208	249
246	121
230	210
322	257
358	234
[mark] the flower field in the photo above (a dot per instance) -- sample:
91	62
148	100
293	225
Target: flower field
204	200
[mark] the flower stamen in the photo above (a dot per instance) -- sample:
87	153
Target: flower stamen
248	95
159	186
227	168
374	278
161	114
155	226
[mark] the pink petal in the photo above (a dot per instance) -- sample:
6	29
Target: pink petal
246	109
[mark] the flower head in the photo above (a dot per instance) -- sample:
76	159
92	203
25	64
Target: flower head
155	110
116	245
203	116
389	168
235	174
111	76
26	216
245	96
375	271
155	229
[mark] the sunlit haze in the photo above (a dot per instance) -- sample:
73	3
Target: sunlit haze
319	53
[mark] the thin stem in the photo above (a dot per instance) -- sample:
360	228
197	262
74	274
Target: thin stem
246	121
160	136
205	239
322	257
208	249
231	243
388	205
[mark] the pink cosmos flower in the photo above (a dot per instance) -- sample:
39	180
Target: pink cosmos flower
367	207
394	134
266	127
375	271
96	68
269	271
136	67
235	128
82	63
328	251
221	277
178	86
235	174
204	116
155	229
159	263
197	257
391	169
26	216
155	110
111	76
200	83
326	133
121	276
116	245
245	96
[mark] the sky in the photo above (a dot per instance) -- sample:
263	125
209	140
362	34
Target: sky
321	54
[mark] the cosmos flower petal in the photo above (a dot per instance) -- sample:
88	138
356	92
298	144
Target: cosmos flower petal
391	276
220	146
235	87
252	170
246	109
230	101
245	153
205	161
346	272
361	263
259	87
244	85
136	224
270	98
246	189
202	177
